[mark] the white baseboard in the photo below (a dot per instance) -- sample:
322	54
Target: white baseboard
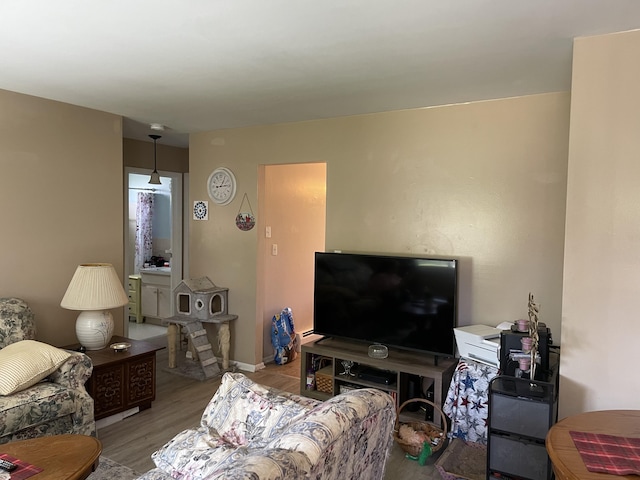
118	417
247	367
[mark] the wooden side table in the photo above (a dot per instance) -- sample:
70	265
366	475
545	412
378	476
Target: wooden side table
71	457
122	380
565	457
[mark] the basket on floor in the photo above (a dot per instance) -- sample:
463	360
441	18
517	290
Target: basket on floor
437	436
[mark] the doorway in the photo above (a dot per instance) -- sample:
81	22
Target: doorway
291	226
164	216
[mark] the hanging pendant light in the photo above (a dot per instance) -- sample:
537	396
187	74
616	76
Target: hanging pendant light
155	177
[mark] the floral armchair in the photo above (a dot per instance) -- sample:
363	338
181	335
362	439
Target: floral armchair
250	431
59	402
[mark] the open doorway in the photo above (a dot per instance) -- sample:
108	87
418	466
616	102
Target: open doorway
153	249
291	228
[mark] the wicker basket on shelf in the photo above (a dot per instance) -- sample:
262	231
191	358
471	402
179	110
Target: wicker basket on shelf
324	379
436	436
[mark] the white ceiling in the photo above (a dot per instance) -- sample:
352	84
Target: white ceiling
199	65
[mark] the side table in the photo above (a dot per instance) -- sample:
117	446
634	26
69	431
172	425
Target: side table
71	457
122	380
565	457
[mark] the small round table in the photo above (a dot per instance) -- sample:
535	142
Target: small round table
566	460
69	457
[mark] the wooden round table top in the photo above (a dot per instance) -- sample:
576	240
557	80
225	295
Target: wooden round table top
62	457
566	460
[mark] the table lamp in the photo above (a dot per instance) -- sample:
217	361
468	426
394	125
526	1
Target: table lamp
94	288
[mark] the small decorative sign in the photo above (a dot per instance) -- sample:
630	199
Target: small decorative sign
200	210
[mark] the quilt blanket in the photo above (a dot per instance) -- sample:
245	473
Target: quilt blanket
468	400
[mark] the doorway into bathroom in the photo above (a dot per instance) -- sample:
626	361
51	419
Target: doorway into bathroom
153	247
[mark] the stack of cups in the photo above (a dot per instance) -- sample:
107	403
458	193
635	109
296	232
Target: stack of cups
524	364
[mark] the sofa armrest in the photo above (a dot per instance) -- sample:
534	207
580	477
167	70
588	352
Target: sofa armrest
75	372
348	435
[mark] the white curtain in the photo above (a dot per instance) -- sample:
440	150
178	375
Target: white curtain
144	231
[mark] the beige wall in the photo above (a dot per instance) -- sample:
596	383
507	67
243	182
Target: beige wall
294	207
140	154
61	203
483	181
600	326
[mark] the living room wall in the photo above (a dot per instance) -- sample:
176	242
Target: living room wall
61	203
600	325
483	181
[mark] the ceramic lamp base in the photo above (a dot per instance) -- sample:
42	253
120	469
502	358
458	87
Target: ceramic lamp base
94	329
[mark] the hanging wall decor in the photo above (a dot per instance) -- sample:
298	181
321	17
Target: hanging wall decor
200	210
245	220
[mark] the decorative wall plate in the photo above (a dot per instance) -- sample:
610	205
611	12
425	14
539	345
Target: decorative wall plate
200	210
245	220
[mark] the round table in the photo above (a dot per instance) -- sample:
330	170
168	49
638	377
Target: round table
69	457
566	460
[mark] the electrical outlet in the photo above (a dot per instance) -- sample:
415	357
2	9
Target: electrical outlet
274	249
267	232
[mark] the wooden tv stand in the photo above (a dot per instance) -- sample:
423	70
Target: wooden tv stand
399	365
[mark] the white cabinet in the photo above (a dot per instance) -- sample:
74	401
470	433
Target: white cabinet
156	295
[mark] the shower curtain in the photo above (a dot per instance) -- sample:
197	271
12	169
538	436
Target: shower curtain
144	232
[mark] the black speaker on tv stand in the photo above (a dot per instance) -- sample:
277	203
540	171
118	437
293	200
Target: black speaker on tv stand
510	340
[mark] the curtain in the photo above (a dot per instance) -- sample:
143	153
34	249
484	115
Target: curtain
144	233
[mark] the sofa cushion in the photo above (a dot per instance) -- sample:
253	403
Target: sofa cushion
25	363
36	405
267	464
244	413
194	454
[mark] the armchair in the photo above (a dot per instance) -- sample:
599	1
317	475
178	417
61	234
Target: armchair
57	404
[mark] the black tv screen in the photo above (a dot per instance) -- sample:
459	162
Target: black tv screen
403	302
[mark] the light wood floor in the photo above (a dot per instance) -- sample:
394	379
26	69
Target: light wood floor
179	405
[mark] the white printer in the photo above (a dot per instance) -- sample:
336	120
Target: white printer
480	343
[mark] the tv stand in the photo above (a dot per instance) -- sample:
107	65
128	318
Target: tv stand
328	355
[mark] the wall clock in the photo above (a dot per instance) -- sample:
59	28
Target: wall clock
221	186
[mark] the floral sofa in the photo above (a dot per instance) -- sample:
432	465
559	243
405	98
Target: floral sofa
57	403
249	431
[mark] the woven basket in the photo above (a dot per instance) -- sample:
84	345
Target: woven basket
324	380
437	435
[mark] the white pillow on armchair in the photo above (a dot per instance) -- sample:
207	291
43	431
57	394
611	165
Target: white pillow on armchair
26	362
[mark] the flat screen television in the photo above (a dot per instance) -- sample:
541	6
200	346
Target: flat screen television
398	301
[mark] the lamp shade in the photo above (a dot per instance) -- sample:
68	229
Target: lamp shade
94	286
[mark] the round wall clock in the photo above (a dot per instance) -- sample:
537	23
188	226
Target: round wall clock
222	186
